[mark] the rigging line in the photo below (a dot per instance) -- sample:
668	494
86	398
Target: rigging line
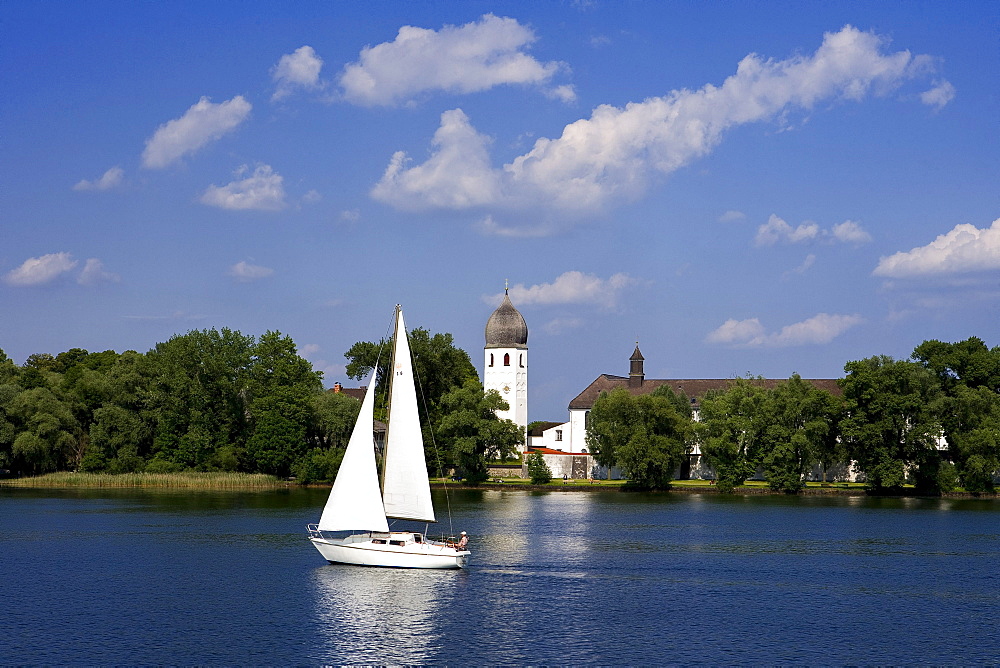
437	455
388	412
377	372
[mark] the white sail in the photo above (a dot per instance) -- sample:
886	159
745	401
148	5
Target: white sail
355	501
406	491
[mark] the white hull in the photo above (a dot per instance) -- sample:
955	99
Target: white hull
392	550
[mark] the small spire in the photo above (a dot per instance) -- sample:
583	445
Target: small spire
505	285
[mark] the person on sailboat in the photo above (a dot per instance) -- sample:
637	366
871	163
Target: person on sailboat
463	541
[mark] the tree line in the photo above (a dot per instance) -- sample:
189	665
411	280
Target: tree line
212	400
220	400
932	421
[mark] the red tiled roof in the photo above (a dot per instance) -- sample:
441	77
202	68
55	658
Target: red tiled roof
550	451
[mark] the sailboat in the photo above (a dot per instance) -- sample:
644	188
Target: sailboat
357	505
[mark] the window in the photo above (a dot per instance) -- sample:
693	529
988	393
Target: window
558	434
520	361
491	359
506	359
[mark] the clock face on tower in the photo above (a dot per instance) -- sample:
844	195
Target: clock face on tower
506	389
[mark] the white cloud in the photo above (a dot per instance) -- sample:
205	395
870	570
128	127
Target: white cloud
776	229
490	227
572	287
559	325
350	215
202	123
111	179
40	270
732	216
299	69
565	93
819	329
850	232
736	331
964	249
94	274
940	95
263	190
244	272
460	59
807	264
309	349
611	155
457	176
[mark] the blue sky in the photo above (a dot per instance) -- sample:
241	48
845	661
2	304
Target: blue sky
763	188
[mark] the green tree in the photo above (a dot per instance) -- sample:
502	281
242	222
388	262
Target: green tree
85	391
120	433
969	375
8	390
801	424
972	428
968	363
472	433
538	470
199	395
280	394
47	434
646	436
438	366
733	428
318	465
41	362
334	416
277	441
892	422
73	357
8	430
114	441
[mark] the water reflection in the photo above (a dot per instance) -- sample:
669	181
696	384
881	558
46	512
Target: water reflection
380	615
556	578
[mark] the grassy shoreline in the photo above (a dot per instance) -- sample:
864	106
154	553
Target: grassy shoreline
182	480
193	480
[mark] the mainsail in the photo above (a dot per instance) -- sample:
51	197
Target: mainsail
406	491
355	501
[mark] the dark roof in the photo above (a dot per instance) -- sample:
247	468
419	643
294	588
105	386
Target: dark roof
353	392
693	388
506	327
542	426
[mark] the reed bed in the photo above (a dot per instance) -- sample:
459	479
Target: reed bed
182	480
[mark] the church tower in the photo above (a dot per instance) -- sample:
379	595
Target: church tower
506	361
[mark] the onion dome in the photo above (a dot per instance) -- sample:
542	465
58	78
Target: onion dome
506	327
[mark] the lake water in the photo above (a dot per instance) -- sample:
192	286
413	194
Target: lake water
138	577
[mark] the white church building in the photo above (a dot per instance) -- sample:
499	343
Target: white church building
505	364
564	444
